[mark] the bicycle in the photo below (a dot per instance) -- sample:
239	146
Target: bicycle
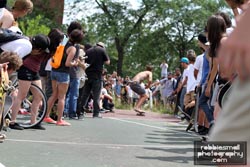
24	115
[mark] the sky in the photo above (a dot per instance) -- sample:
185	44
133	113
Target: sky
70	15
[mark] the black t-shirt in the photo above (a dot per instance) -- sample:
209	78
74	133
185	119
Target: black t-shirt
96	58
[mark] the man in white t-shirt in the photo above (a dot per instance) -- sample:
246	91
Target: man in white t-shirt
198	65
188	75
164	69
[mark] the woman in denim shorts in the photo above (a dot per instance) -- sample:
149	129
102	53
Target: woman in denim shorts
60	78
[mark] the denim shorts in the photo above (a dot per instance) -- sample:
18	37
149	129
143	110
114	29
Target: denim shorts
26	74
61	77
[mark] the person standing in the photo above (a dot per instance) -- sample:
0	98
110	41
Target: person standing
96	58
28	74
233	123
164	69
135	85
60	78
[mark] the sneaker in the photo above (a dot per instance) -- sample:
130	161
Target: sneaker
2	137
15	126
62	123
49	120
23	112
97	116
103	110
204	132
73	116
81	117
38	126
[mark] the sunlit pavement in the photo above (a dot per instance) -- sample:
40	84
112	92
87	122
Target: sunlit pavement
119	139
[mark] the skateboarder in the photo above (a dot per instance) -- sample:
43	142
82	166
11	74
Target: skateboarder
137	88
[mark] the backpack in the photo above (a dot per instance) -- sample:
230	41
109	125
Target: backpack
7	35
57	57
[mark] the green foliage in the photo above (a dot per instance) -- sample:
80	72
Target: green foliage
156	31
33	26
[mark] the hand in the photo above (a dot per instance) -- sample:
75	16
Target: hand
4	66
207	91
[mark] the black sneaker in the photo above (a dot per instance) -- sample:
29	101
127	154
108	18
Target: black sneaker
204	132
73	116
15	126
38	127
81	117
97	116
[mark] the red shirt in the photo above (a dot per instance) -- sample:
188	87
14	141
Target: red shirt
33	62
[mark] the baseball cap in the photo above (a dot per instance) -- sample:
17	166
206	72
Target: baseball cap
101	44
184	60
203	39
40	41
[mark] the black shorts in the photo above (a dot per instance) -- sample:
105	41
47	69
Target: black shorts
136	87
27	75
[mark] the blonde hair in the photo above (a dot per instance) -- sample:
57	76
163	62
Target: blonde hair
21	5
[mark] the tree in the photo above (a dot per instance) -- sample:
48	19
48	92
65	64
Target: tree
54	9
155	31
118	23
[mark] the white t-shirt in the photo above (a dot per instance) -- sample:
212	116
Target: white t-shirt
191	82
164	69
184	75
22	47
198	66
104	91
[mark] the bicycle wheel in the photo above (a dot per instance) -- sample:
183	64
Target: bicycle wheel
25	114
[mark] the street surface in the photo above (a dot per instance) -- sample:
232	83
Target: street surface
120	139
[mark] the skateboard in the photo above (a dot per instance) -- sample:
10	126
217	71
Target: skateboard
139	112
4	87
7	108
184	113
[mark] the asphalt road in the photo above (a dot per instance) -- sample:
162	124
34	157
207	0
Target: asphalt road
121	139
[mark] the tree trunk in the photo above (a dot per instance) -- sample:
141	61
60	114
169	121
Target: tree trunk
120	62
55	8
120	50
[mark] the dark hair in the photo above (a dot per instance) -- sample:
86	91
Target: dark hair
238	2
191	56
107	84
216	28
3	3
74	25
87	46
76	36
56	36
226	18
149	67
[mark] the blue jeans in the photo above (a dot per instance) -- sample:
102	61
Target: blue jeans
183	92
71	97
208	109
92	86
